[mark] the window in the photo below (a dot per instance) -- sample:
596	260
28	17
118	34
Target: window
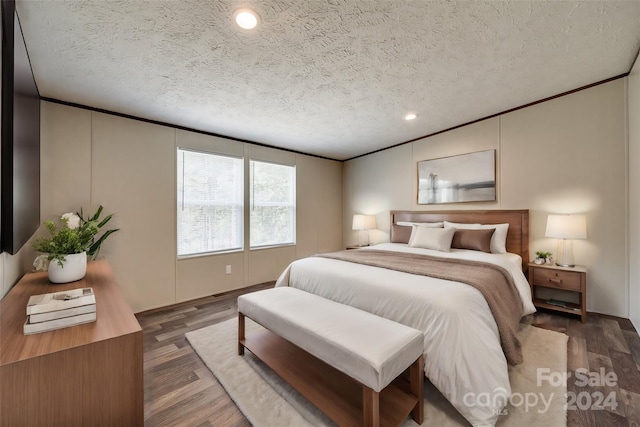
273	204
210	203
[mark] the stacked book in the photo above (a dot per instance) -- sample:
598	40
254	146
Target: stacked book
60	310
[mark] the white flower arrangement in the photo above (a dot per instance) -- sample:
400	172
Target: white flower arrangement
73	220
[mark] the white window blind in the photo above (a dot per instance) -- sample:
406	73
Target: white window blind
210	202
273	204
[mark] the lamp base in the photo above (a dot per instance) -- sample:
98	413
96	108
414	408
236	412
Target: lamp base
565	253
566	265
364	238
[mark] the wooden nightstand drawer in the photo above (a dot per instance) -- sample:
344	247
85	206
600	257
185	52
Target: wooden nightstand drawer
556	279
570	279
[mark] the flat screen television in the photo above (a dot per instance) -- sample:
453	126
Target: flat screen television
20	145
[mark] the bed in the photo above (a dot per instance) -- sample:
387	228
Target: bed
462	346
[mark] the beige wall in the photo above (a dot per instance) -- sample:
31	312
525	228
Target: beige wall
374	185
133	175
567	155
634	194
129	167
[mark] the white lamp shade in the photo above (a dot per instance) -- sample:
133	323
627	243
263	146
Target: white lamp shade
364	222
566	227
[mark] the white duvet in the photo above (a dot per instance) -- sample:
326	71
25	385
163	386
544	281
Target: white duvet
463	357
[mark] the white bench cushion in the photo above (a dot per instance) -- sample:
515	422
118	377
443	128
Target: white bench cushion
368	348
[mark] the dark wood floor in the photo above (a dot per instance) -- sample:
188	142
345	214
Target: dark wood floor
180	391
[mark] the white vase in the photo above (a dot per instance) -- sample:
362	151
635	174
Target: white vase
73	268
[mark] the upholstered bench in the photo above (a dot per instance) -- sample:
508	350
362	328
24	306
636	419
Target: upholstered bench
347	362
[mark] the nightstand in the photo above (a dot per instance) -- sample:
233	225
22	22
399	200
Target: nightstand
570	279
357	247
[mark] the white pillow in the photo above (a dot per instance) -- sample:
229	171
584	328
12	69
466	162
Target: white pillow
499	238
421	224
438	239
462	226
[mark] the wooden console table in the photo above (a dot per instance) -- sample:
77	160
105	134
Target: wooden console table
84	375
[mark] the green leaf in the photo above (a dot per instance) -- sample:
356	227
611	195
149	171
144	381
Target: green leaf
96	215
104	221
95	248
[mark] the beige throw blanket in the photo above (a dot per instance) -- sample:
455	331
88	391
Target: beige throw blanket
494	283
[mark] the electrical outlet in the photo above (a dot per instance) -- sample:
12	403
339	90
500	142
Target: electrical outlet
228	269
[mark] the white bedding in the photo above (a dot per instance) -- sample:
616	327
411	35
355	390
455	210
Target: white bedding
461	345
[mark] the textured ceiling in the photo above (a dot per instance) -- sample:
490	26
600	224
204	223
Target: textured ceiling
331	78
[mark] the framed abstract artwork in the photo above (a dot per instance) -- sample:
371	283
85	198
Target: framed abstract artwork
457	179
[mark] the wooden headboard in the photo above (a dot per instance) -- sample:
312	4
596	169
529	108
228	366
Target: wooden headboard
517	236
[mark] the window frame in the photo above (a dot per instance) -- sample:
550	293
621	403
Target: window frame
242	205
250	205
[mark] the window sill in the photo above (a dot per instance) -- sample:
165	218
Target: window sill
209	254
260	248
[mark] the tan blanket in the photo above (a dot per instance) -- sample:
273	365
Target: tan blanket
494	283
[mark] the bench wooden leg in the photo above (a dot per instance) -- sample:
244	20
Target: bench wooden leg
240	333
416	372
370	407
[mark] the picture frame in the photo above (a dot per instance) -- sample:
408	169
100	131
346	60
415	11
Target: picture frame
461	178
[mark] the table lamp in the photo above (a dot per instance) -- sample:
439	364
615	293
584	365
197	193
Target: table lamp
566	228
364	223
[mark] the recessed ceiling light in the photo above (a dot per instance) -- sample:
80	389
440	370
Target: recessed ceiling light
410	116
246	18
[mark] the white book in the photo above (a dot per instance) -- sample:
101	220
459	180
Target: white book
60	300
65	322
60	314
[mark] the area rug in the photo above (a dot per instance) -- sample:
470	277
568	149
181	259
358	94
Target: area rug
267	401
